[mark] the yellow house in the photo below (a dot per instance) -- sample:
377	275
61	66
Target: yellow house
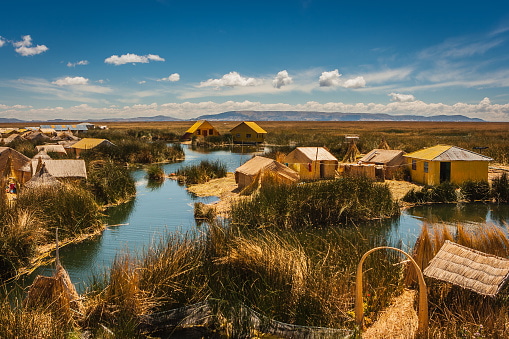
312	162
248	132
201	128
89	143
437	164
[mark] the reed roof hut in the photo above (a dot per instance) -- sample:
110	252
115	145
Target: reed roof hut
15	164
312	162
351	153
246	174
60	169
390	160
89	143
43	179
51	148
474	270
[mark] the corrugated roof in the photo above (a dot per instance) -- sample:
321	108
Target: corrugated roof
89	143
447	153
256	164
315	153
381	156
474	270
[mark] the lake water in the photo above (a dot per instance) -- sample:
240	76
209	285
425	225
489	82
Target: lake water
158	209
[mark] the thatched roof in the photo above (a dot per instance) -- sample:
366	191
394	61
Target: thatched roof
42	179
63	168
310	154
18	160
474	270
351	153
257	164
51	148
41	155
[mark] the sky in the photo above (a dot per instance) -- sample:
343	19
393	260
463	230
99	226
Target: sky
110	59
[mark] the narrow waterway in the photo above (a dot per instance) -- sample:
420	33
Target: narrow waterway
168	207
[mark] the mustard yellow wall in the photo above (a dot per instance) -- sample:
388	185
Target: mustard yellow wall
461	171
306	174
240	133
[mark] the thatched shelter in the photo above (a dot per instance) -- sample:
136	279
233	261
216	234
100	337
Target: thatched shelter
42	179
60	169
312	162
248	172
351	153
474	270
391	160
14	164
51	148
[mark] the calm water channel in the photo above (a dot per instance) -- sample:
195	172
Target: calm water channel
168	207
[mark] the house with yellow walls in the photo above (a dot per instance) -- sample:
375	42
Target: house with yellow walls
312	162
437	164
248	132
201	128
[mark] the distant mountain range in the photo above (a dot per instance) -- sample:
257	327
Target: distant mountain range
283	116
322	116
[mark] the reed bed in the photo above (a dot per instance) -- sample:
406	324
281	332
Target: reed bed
155	173
316	204
203	172
109	182
296	278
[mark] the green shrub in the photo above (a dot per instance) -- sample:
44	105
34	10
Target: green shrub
475	190
203	172
315	204
155	172
110	183
500	188
445	192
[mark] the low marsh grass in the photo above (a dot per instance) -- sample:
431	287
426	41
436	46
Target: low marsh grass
315	204
110	182
203	172
155	173
299	278
443	193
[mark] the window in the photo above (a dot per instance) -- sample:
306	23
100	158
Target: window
237	135
248	135
414	164
198	132
211	132
425	167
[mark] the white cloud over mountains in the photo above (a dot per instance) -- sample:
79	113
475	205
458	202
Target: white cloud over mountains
132	59
398	97
232	79
188	110
282	79
25	48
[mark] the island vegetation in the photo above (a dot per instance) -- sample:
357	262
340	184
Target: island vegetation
288	252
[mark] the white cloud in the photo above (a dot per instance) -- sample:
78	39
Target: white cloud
25	48
282	79
71	81
142	82
232	79
14	106
398	97
329	79
132	59
2	41
79	63
357	82
172	77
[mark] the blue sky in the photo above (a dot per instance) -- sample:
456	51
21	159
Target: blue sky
130	58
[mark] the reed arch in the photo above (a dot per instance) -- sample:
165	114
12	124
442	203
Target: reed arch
422	328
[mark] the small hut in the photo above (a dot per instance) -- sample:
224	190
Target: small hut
248	132
312	162
391	161
42	179
89	143
62	169
246	174
201	128
474	270
52	148
15	163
